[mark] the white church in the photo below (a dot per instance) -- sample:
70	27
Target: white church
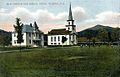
55	36
32	36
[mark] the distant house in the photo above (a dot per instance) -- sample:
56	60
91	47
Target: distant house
55	36
32	36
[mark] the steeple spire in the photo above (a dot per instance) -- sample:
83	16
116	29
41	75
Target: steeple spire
70	17
70	26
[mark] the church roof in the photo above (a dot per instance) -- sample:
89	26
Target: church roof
59	32
70	17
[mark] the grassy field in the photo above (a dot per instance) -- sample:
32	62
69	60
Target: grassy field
60	62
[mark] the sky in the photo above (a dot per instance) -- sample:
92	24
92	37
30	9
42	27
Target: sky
52	14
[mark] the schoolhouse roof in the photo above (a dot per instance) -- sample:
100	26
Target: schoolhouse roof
31	28
27	28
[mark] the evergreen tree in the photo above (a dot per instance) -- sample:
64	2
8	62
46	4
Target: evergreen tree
103	35
64	39
18	28
89	35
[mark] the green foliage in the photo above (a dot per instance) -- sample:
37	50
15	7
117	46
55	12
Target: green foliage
18	29
116	72
115	34
103	35
88	34
4	69
109	37
64	39
61	62
5	40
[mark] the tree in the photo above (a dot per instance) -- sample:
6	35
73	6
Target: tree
18	28
5	40
102	35
109	37
115	34
93	40
2	41
89	35
64	39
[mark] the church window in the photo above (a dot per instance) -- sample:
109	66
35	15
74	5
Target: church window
51	38
54	38
72	23
58	38
68	28
69	23
73	28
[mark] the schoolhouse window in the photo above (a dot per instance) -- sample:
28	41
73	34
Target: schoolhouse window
29	34
30	41
14	34
15	41
36	35
70	37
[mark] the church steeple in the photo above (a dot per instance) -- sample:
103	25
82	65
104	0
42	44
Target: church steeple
70	17
70	26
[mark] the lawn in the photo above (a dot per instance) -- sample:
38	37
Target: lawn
60	62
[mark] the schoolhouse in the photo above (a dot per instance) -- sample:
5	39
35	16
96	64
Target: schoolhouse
32	36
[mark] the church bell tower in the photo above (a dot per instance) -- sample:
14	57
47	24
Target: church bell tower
70	22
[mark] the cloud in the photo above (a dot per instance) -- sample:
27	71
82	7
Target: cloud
79	14
42	16
24	14
107	18
48	20
3	10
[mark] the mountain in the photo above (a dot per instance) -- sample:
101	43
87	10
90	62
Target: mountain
98	27
5	38
5	33
94	30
